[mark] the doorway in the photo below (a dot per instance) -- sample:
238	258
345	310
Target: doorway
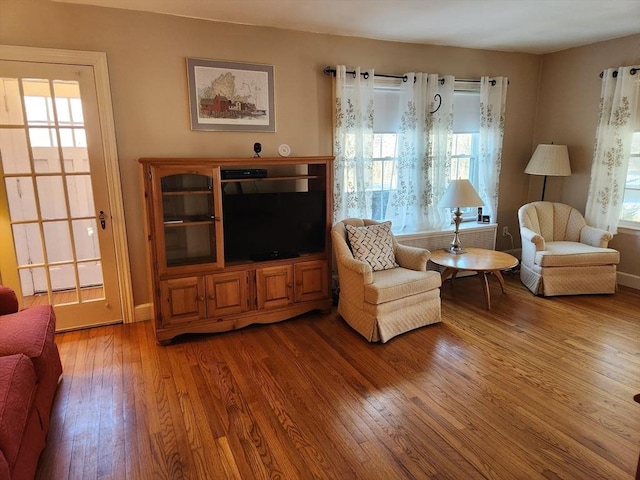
54	197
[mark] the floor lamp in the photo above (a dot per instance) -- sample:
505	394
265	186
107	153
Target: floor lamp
549	160
459	193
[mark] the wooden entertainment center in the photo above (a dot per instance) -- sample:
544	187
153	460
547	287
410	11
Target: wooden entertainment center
272	262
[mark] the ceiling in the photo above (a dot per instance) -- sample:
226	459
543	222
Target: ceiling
530	26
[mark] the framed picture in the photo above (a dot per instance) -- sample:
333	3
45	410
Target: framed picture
227	96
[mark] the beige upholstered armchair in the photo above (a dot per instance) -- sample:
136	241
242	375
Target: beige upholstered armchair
561	254
390	291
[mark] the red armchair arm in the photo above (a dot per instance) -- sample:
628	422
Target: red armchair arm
8	301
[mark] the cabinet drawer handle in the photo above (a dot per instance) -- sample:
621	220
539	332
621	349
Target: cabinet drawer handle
212	297
200	298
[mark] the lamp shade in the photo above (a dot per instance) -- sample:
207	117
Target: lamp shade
460	193
551	160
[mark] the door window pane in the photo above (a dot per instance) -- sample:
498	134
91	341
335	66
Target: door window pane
63	278
27	240
46	160
22	200
43	137
68	104
33	280
57	241
37	102
90	274
80	196
85	235
39	110
14	150
52	197
76	159
10	105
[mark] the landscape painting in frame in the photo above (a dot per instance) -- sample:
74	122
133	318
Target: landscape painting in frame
228	96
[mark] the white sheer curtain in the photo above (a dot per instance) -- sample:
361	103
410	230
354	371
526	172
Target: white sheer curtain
424	153
353	144
619	116
493	100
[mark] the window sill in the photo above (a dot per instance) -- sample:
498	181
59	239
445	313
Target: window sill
464	227
629	229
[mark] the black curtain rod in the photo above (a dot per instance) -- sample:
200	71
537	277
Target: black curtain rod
331	72
615	74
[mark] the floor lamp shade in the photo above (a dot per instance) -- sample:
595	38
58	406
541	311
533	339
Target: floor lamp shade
459	193
549	160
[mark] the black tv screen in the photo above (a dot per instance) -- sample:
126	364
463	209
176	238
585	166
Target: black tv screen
268	226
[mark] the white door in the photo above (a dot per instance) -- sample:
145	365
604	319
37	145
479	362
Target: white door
57	240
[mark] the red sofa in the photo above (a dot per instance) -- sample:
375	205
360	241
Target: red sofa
30	369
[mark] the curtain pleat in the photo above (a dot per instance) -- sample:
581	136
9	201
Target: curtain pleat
425	143
619	117
493	101
353	144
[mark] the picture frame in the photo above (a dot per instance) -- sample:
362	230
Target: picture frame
230	96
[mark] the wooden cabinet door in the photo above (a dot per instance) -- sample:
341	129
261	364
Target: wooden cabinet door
182	300
274	286
311	281
227	293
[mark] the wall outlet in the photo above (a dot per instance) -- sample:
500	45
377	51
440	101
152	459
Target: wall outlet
505	231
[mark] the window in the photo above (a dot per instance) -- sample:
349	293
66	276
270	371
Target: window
630	213
464	158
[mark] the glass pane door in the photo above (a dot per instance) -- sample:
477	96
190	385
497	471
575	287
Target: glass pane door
189	221
50	189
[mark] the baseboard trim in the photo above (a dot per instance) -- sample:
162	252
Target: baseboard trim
628	280
143	312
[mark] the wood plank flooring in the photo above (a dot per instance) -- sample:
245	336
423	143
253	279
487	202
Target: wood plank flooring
534	389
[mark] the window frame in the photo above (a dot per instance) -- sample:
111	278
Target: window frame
461	87
634	154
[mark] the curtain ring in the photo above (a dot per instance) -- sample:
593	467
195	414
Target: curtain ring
365	75
438	97
405	79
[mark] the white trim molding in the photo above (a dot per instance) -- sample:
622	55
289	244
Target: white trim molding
628	280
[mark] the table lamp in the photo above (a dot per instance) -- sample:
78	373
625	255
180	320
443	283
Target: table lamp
459	193
549	160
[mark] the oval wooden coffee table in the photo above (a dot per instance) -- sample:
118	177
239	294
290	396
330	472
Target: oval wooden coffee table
478	260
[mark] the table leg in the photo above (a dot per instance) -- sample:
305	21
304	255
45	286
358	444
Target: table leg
485	287
448	272
500	279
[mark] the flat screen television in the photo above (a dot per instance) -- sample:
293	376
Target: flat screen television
269	226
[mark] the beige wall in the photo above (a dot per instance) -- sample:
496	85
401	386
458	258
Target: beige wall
568	105
146	55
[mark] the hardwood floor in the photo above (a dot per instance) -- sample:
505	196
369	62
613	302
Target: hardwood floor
534	388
